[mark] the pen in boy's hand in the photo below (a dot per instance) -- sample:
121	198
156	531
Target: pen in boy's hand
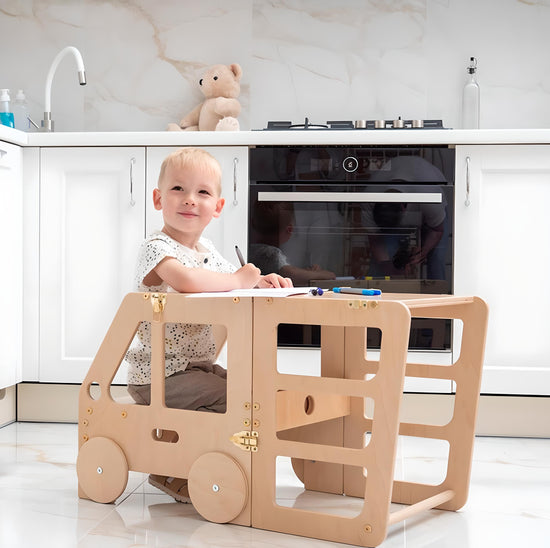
239	255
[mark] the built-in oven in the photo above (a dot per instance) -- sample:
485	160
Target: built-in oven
359	216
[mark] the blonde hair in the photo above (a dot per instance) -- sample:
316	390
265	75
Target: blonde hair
193	158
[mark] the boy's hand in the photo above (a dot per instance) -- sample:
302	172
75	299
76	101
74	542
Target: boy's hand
248	275
274	280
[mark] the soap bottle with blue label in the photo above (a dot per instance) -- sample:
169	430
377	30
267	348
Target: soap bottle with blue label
6	117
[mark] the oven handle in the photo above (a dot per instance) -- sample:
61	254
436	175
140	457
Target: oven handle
365	197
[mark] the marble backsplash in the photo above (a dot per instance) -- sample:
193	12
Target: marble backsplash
324	59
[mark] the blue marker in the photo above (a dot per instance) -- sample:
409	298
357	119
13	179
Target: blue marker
357	291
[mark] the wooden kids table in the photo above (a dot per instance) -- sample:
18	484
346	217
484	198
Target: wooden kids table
337	443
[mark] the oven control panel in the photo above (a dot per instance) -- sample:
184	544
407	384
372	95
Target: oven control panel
363	163
350	164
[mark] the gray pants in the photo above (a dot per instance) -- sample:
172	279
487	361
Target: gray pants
200	387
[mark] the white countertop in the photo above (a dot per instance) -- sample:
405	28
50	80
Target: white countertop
10	135
292	137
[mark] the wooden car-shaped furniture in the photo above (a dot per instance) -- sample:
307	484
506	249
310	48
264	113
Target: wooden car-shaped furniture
337	444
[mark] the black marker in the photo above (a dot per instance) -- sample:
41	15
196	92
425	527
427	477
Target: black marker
239	255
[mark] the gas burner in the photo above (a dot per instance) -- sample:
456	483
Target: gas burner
290	125
358	124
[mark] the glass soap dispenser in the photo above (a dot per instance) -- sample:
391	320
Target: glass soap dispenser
470	98
20	111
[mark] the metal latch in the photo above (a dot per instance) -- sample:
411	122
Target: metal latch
158	300
247	441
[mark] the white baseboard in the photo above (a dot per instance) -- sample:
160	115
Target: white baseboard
44	402
514	416
508	416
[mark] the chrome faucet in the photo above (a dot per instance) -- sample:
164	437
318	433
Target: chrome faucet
47	122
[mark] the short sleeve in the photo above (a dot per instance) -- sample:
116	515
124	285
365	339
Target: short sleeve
152	252
159	246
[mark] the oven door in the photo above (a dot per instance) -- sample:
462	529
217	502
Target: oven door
393	236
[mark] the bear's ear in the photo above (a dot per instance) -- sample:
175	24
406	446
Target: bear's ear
236	70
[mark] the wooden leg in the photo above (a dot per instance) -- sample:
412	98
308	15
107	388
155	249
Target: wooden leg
335	445
460	431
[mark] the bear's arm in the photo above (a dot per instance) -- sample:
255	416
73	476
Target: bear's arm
227	107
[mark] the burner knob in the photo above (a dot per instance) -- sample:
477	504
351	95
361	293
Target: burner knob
398	124
380	124
360	124
350	164
418	123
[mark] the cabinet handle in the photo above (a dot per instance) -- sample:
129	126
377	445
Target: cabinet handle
132	163
467	201
235	162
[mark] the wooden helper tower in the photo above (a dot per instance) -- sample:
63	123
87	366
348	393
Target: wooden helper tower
320	422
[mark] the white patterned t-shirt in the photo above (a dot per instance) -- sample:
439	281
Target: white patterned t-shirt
184	343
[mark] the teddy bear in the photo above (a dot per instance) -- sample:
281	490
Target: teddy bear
219	111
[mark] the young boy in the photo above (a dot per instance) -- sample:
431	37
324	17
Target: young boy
179	259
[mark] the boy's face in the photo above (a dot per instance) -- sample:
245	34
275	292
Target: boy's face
189	199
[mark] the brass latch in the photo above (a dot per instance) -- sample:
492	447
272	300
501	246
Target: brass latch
247	441
158	300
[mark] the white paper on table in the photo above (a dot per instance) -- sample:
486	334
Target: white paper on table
264	292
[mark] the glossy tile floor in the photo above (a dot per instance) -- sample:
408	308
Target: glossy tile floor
509	503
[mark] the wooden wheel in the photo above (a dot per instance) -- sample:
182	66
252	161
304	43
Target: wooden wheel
102	470
218	487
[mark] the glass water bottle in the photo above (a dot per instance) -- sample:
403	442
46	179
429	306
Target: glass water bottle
470	98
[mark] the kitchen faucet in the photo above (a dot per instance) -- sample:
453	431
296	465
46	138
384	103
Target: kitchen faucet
47	122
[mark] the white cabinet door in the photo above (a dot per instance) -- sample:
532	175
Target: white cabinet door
92	205
230	228
11	271
502	254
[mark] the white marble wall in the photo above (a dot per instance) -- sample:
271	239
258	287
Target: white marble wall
325	59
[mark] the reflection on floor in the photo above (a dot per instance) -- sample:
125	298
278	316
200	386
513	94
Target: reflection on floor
509	503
